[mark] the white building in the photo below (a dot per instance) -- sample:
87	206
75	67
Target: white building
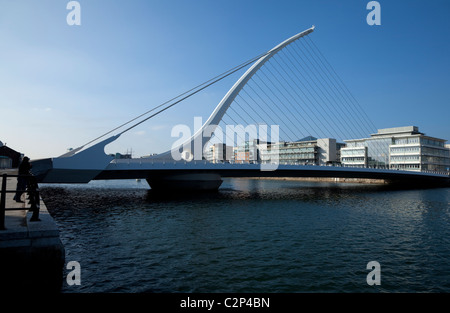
308	150
219	152
402	148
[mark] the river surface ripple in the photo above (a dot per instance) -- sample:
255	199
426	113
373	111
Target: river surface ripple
268	236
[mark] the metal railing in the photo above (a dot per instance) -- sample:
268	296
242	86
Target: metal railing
348	165
31	189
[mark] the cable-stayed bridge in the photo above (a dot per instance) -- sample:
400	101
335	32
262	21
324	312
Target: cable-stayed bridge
287	93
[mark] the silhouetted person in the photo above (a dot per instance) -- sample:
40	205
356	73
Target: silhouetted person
24	169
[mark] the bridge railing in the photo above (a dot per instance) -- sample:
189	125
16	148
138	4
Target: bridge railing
436	172
382	167
33	193
240	162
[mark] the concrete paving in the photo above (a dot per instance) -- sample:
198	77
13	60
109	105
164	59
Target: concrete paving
24	242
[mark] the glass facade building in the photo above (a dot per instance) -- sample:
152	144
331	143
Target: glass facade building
248	152
218	153
306	151
403	148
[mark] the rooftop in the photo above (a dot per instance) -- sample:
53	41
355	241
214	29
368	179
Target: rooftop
412	130
307	138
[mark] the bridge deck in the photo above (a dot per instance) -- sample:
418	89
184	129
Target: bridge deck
141	168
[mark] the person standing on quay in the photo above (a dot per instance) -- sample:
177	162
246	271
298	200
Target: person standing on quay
24	169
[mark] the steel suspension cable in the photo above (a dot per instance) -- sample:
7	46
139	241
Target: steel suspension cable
345	88
308	102
188	94
324	92
301	100
253	80
379	149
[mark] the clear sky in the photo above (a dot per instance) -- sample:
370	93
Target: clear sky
61	85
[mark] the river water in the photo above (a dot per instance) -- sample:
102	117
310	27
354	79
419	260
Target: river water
269	236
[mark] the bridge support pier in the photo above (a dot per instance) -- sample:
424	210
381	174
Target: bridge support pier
186	182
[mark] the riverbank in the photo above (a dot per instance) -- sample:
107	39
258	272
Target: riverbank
327	179
31	253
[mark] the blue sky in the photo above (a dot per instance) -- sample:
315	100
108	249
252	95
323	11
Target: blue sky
61	85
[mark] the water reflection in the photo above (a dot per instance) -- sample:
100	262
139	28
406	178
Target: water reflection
254	236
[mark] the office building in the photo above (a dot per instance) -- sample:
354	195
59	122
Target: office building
219	152
403	148
306	151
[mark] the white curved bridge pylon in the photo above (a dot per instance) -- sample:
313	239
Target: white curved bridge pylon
205	133
84	163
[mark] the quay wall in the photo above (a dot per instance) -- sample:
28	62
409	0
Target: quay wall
31	253
329	179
